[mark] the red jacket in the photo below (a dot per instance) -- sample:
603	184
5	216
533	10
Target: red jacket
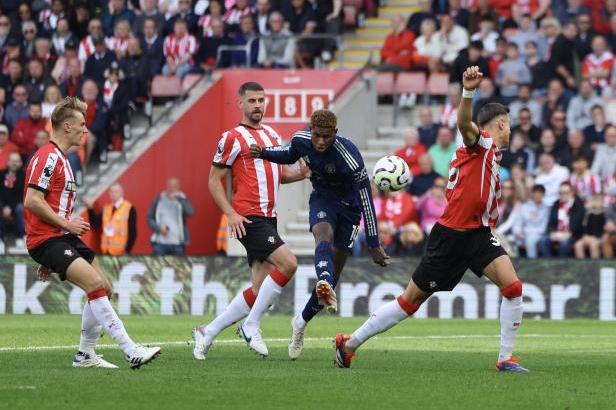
398	209
399	49
411	156
24	133
8	149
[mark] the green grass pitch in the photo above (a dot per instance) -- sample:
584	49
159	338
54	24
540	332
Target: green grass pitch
418	364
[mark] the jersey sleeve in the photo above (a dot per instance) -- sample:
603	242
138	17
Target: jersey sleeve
288	154
227	151
42	171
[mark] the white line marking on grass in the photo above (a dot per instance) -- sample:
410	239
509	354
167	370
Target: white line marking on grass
10	349
17	387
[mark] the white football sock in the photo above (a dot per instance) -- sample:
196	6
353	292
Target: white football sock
107	317
268	293
234	312
299	321
510	318
385	317
90	330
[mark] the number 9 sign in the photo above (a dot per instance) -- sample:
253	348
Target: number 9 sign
316	102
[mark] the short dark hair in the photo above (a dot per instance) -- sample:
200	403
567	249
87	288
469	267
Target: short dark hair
567	183
580	158
249	86
323	119
538	188
596	107
490	111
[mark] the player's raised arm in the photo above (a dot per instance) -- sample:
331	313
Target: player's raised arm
469	130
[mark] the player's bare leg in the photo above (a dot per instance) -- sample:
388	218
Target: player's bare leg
502	273
312	308
323	264
384	318
85	276
235	311
281	266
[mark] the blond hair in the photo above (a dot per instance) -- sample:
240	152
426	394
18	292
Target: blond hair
65	110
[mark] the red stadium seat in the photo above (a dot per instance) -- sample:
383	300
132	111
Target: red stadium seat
166	86
385	83
189	81
438	84
410	83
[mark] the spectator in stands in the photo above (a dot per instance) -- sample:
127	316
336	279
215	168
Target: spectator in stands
564	224
10	81
25	129
24	13
41	139
550	175
487	36
44	54
548	145
118	43
214	12
61	36
536	9
149	11
487	94
116	10
576	147
48	18
208	51
184	13
428	50
427	127
412	150
449	114
482	12
37	81
99	61
86	46
261	17
72	85
179	49
592	229
422	182
611	36
452	37
51	99
539	71
442	151
167	220
417	18
532	221
557	100
571	10
431	205
18	109
559	127
609	229
398	50
276	50
585	36
531	132
116	95
511	73
597	66
7	147
584	182
594	133
398	210
136	71
117	222
525	33
79	20
152	46
467	58
525	100
11	193
5	30
579	110
329	22
509	210
96	120
604	163
240	9
522	181
245	35
518	153
562	55
29	31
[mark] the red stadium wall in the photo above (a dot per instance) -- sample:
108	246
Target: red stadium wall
188	146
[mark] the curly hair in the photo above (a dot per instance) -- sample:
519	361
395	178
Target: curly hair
323	119
65	110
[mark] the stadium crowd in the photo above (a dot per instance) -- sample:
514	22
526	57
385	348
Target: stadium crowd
552	63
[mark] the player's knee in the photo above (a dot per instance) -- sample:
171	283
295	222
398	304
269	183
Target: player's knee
290	266
513	290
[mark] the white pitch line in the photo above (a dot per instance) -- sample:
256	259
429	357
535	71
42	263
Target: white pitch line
312	339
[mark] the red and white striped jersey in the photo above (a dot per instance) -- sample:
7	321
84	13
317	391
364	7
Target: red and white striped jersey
593	64
86	48
117	43
178	48
255	181
233	15
49	172
586	185
473	188
449	116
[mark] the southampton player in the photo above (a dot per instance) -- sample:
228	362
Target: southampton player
462	238
252	220
341	193
53	238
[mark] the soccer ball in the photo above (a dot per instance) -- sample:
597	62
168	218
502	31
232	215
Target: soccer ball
391	173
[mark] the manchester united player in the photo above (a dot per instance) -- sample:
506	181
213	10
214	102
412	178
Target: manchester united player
462	238
252	220
53	238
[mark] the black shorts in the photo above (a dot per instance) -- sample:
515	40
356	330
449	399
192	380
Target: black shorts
449	253
58	253
261	238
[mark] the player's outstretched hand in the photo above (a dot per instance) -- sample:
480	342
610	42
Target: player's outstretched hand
304	169
236	225
379	256
471	78
255	151
43	273
78	226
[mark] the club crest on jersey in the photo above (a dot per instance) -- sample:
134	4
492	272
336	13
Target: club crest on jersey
432	284
271	240
330	168
321	215
68	253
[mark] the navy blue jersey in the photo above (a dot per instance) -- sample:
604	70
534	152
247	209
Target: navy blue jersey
338	174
